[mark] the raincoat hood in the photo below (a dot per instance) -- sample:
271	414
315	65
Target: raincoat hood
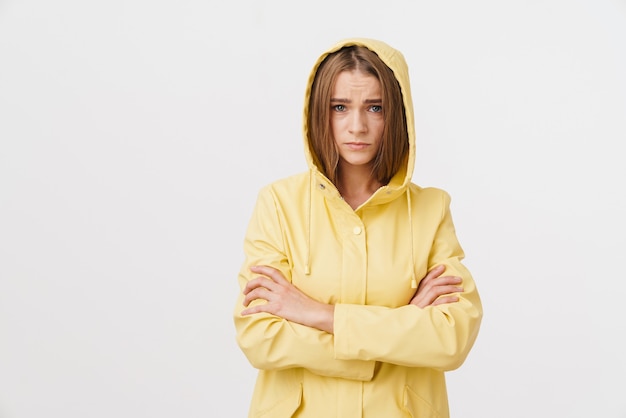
396	62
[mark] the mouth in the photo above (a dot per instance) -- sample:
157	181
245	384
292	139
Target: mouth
357	145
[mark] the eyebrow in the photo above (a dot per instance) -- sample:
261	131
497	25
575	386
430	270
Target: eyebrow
367	101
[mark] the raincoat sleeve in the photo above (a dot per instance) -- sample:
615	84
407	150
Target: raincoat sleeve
438	337
273	343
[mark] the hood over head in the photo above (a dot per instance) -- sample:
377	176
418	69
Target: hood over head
396	62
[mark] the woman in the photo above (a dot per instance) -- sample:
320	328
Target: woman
331	310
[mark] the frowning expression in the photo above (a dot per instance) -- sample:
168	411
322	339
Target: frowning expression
356	117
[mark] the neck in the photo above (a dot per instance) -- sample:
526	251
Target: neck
356	184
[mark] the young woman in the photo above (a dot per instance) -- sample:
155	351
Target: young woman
354	300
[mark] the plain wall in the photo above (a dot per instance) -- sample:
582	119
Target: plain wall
135	134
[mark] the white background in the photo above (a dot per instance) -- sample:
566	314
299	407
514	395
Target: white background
135	134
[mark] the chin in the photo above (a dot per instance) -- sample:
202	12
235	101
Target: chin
358	162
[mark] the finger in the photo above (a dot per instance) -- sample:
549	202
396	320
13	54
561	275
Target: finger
258	293
438	291
428	285
271	272
430	276
448	280
255	309
427	298
445	299
259	282
435	272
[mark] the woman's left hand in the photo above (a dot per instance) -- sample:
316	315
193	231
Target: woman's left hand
285	300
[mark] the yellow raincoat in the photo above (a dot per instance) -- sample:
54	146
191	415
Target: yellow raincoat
386	359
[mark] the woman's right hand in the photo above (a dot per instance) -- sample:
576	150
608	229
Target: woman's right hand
435	289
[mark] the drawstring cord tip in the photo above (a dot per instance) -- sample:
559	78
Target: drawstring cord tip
413	284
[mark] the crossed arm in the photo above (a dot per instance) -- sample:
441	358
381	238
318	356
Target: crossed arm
286	301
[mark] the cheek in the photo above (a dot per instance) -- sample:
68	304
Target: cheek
379	128
335	128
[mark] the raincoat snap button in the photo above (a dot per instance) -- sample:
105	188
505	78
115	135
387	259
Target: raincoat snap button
321	186
356	230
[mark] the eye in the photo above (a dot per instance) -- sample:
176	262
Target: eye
339	108
376	108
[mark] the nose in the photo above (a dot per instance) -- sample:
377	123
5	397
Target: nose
358	122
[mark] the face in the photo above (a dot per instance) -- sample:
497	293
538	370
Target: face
356	117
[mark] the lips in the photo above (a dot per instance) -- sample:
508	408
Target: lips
356	146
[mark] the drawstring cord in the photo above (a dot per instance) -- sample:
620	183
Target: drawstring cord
408	200
307	267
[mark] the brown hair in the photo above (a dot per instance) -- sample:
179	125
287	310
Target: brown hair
394	145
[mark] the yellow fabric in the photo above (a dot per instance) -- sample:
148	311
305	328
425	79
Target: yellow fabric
386	358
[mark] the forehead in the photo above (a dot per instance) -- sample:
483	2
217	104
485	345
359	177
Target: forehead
354	80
